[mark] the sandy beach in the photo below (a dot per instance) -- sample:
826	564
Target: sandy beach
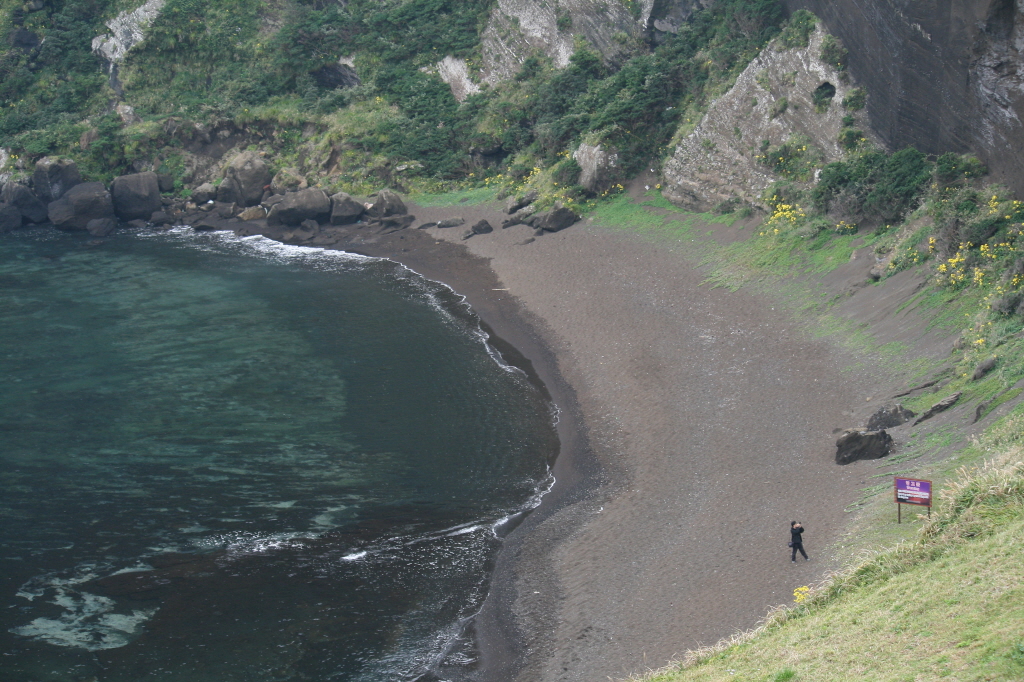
696	423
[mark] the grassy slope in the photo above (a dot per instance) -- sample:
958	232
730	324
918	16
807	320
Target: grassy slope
919	601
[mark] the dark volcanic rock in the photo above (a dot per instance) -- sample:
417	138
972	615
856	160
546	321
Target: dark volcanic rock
166	182
345	210
53	177
424	226
21	197
203	193
80	204
940	406
10	218
136	196
451	222
889	416
386	204
159	218
244	180
855	444
307	204
521	201
101	227
481	227
554	220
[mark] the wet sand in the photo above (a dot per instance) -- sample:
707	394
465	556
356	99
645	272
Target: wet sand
696	423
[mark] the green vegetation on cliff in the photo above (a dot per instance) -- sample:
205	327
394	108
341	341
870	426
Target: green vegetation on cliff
270	72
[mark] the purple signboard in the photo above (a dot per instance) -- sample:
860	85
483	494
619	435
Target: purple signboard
913	491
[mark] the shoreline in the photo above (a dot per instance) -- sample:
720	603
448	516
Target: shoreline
661	533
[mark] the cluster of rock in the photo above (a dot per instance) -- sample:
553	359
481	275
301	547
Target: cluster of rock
248	191
871	442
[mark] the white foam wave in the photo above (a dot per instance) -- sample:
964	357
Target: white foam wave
354	556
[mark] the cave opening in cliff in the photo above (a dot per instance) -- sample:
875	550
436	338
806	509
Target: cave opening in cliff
822	95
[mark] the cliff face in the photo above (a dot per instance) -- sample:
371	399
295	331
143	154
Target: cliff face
941	75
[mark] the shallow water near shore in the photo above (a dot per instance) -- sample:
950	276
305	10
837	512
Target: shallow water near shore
228	459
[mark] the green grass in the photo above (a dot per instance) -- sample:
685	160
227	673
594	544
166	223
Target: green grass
949	603
467	197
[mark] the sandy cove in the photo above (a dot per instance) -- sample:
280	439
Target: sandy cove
695	424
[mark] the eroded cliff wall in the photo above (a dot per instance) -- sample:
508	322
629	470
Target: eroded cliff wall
941	75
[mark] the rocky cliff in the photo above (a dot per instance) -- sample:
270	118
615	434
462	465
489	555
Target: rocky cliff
941	75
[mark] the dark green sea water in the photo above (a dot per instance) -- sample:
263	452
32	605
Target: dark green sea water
226	459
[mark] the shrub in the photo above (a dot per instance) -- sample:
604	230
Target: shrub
856	100
849	138
779	107
950	167
873	184
797	31
833	53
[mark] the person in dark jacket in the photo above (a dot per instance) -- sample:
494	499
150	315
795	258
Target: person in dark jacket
796	532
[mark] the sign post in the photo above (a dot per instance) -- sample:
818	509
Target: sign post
912	491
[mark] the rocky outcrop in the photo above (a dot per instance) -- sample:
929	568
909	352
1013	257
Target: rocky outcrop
127	30
451	222
856	444
53	177
455	73
288	180
307	204
80	204
773	100
889	416
136	197
244	180
518	29
21	198
941	406
518	202
597	166
941	77
984	367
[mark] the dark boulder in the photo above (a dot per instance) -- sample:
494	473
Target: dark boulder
889	417
10	218
519	217
481	227
855	444
53	177
307	204
451	222
983	368
136	196
521	201
425	226
101	227
203	193
940	406
80	204
386	204
159	218
392	223
21	197
166	182
554	220
244	180
345	210
310	225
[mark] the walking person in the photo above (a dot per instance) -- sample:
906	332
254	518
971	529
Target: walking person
796	532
